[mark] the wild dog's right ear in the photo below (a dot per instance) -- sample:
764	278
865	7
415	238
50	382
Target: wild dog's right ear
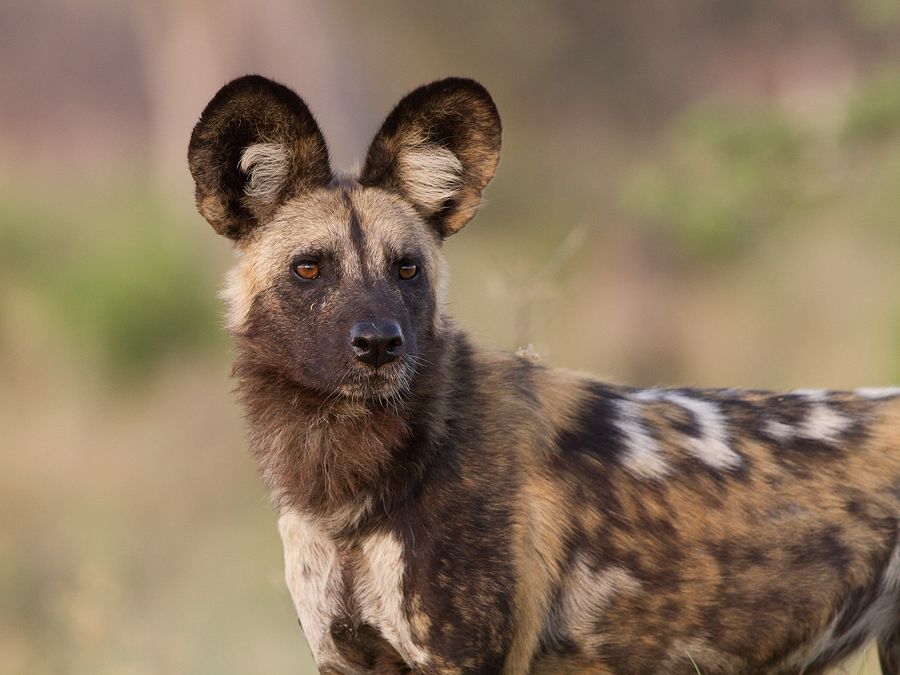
255	146
438	149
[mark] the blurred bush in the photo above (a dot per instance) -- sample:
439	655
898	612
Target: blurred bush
873	112
116	272
734	171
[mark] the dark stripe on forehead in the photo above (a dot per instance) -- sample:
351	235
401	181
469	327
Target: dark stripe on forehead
356	233
357	238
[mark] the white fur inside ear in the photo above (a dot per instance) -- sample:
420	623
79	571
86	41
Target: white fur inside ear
268	166
431	175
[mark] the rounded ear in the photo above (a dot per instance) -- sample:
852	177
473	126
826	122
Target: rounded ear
438	149
256	145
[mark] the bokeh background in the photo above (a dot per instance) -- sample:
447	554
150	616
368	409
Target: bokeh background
698	192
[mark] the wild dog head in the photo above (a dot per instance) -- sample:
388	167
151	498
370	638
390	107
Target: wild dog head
340	283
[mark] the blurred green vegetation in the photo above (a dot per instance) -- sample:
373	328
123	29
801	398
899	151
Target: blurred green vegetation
873	113
118	273
735	171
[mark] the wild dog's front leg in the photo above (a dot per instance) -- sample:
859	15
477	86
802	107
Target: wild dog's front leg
313	575
349	600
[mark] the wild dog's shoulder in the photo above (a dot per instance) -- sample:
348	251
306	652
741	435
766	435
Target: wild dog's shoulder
520	395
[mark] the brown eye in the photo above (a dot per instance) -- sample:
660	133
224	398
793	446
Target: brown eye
307	270
408	271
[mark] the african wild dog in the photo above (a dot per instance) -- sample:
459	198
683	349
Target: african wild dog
447	508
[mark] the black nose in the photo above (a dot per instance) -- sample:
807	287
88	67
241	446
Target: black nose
376	342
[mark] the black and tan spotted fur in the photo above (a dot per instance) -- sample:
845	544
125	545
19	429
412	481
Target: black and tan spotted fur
447	508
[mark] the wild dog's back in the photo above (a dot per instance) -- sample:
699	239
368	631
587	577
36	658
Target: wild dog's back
755	531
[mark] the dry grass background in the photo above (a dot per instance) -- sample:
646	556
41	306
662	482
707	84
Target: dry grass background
694	192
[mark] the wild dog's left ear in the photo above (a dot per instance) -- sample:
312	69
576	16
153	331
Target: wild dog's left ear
438	149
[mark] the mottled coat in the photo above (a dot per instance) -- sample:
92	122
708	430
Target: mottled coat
447	508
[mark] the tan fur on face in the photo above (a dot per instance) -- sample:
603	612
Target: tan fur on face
319	222
300	225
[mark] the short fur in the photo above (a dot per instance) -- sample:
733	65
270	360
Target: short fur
447	508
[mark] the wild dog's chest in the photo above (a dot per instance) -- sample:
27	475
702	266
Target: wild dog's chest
349	600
